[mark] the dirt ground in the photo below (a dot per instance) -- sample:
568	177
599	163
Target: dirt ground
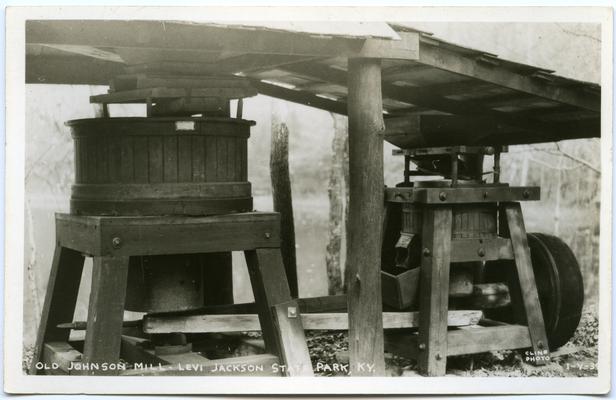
578	358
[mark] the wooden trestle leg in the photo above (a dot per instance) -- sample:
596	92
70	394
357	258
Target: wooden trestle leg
278	313
526	279
105	315
60	300
434	290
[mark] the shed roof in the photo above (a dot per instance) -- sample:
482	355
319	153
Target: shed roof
424	79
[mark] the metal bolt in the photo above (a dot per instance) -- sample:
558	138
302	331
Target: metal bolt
292	312
422	346
438	356
426	252
442	196
481	252
268	235
540	344
526	194
485	195
116	242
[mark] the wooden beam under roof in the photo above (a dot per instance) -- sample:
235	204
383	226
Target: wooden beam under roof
411	131
403	130
422	97
300	97
413	95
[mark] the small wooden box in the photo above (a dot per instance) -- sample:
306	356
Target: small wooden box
400	291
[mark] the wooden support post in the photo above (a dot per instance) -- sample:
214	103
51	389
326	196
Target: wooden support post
270	289
434	290
363	280
293	348
264	297
526	278
283	200
60	300
105	314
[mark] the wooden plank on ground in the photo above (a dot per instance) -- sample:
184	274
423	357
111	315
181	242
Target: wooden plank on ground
469	340
133	351
61	354
313	321
487	339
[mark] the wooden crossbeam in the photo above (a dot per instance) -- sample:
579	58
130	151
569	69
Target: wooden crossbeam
148	235
318	321
462	195
319	304
300	97
465	87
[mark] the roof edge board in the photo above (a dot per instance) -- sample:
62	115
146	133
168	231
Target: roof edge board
154	34
452	61
343	29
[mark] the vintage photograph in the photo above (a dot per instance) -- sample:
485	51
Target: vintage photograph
336	199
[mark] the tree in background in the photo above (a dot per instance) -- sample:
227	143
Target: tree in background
338	193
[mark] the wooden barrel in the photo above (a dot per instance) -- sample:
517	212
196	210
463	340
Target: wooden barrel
160	166
469	221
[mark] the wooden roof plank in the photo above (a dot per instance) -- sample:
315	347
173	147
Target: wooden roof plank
449	60
204	38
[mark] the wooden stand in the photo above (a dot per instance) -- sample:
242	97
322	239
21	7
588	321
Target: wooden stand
111	241
434	342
